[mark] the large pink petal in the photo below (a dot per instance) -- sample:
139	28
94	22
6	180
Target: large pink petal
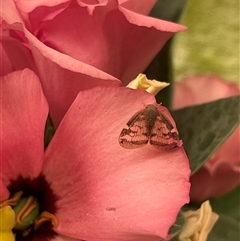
7	66
112	38
62	76
72	62
16	56
229	151
24	113
28	6
139	6
106	28
9	13
106	192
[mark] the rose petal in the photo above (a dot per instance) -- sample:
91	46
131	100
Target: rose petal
63	80
56	70
7	66
52	69
4	193
107	192
106	29
102	18
24	113
229	150
9	12
55	25
139	6
214	184
29	6
183	96
16	51
214	87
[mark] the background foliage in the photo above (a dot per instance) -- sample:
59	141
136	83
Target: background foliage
211	43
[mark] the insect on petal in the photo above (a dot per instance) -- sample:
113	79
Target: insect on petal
149	125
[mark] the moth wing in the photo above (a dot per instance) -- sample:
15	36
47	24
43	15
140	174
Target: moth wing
136	135
163	134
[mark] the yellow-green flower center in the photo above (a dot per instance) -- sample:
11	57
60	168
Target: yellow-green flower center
22	215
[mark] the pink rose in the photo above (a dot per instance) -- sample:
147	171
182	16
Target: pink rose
220	174
76	45
97	190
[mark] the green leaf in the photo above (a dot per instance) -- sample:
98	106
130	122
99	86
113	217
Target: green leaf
205	127
161	66
169	10
225	229
49	132
177	226
228	204
160	69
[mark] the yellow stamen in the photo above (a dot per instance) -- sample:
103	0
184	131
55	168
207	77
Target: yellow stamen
13	200
44	217
27	209
151	86
198	223
7	222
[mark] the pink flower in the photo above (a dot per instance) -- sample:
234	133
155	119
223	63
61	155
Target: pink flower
221	172
77	45
95	188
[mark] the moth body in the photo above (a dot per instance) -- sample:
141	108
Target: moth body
149	125
150	115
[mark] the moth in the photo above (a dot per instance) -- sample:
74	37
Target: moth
149	125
